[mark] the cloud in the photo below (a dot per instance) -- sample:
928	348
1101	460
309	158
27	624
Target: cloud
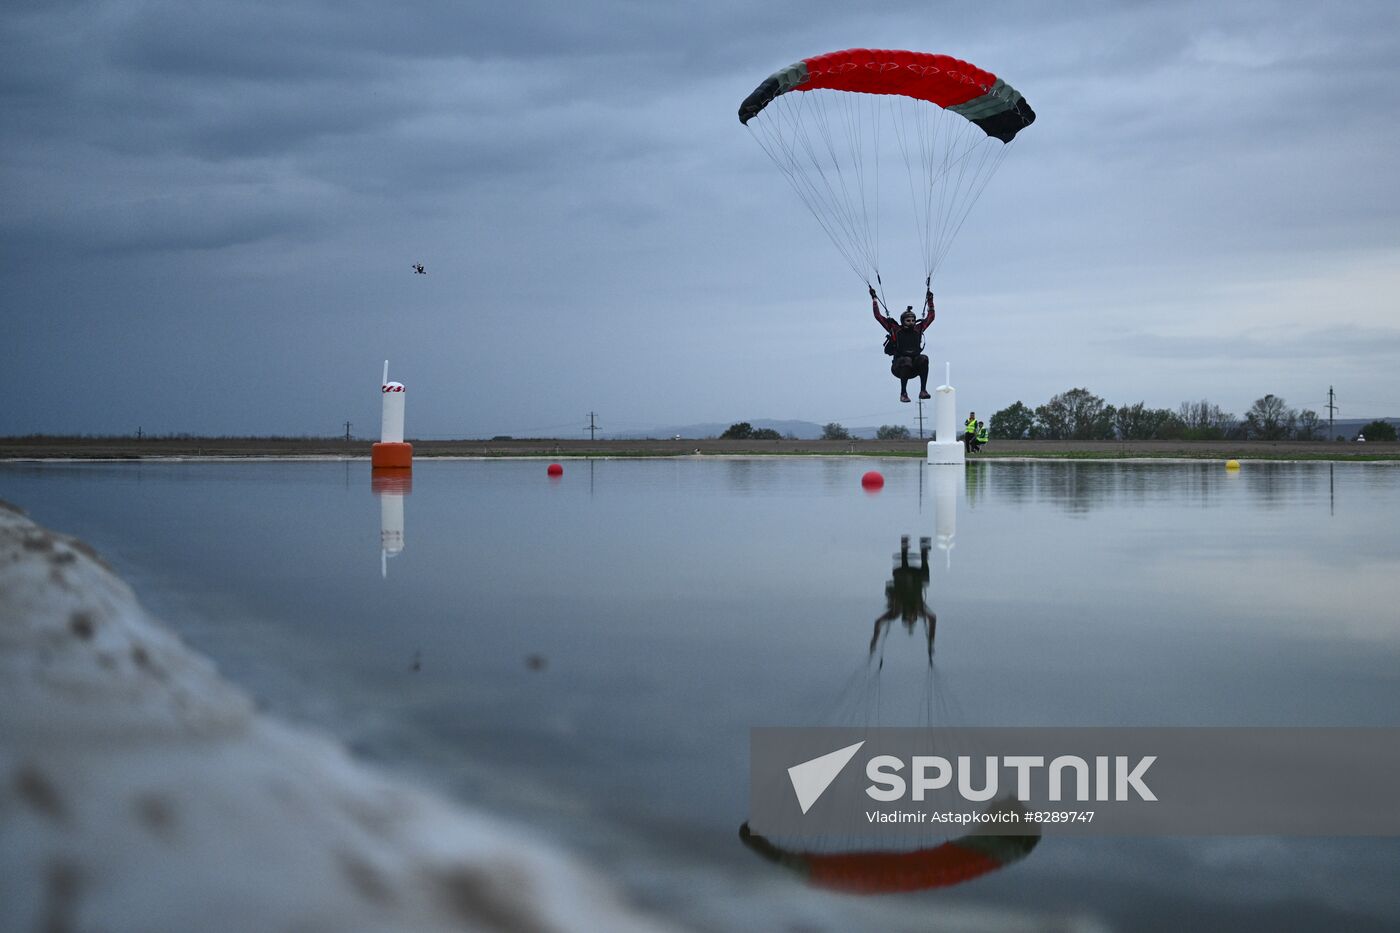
1199	175
1323	343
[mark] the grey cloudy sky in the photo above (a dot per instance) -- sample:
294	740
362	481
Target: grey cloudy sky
210	209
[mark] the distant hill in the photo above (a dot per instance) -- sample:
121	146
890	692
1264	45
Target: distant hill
1347	427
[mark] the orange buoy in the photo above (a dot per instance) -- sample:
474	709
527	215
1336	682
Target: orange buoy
873	480
555	470
391	456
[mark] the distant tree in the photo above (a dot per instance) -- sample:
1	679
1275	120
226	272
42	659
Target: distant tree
1137	422
1172	428
834	432
1011	423
1204	420
1100	428
741	431
1309	426
1047	423
1379	431
1270	419
892	432
765	434
1078	414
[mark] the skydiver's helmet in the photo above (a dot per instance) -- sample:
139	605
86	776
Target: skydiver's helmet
907	318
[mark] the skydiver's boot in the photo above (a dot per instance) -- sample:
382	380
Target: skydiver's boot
904	390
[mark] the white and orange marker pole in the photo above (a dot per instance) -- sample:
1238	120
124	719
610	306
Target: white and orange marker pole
391	453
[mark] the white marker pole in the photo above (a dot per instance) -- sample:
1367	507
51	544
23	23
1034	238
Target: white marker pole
946	446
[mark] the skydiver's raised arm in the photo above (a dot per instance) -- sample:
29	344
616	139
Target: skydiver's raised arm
928	310
883	321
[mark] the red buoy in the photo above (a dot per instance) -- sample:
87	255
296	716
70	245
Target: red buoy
872	480
555	470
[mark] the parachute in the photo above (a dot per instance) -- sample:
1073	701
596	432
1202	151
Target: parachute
866	113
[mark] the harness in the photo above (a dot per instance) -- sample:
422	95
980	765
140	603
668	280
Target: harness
904	341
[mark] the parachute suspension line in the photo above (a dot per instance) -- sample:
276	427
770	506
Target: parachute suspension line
851	119
801	134
852	122
829	144
900	118
841	207
783	150
855	116
992	162
955	161
875	147
969	160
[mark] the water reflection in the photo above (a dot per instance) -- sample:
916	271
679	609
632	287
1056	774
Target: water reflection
390	487
882	871
947	480
865	866
1079	488
904	599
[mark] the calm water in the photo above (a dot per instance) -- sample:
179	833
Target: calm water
587	655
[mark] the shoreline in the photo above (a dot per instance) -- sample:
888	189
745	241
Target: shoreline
317	449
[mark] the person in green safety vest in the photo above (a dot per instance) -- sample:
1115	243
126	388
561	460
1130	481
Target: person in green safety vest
969	431
981	436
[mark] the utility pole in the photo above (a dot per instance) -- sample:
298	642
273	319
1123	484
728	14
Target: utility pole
921	419
592	425
347	430
1331	410
138	432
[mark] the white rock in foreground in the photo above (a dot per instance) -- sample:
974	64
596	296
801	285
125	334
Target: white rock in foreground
140	791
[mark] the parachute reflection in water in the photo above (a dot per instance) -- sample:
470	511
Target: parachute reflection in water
949	121
859	864
877	871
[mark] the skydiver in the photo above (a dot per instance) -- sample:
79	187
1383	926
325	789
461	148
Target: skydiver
418	268
905	342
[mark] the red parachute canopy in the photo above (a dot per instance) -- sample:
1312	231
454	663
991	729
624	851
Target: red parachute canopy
874	111
951	83
885	872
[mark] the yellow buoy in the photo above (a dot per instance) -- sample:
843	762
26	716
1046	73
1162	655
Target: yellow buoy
1232	464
